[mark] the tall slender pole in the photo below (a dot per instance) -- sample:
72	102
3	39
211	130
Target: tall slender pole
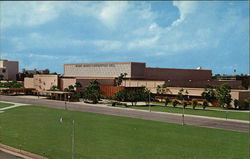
183	114
149	102
73	139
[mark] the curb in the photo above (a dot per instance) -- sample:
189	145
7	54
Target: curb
20	153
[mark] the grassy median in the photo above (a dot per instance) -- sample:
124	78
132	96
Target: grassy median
39	130
2	105
208	113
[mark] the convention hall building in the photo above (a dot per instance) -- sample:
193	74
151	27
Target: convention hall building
137	75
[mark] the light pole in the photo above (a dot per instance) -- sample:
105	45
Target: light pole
73	139
65	105
149	101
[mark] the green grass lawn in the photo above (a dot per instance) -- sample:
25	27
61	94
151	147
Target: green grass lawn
209	113
2	105
38	130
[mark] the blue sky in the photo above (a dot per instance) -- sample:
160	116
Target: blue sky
183	34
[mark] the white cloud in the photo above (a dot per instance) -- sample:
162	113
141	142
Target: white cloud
28	13
185	8
112	12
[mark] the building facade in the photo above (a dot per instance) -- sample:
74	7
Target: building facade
41	82
8	69
135	70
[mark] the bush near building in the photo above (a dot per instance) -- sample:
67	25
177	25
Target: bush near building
194	103
133	95
92	92
247	103
12	84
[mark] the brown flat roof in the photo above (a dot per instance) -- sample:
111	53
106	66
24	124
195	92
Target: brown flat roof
176	69
87	77
105	63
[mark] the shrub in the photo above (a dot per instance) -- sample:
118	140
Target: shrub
247	103
133	95
167	100
113	104
75	96
194	103
185	104
175	102
92	92
236	103
204	104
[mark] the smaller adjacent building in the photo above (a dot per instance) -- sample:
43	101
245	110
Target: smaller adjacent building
8	69
41	82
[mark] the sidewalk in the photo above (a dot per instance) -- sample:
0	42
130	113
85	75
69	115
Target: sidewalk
20	153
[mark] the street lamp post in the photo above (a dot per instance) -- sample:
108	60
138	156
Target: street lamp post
149	102
73	139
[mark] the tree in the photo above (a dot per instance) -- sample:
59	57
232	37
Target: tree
175	102
1	77
167	101
120	78
92	92
205	104
236	103
71	88
145	95
78	85
247	103
223	94
66	90
182	94
209	93
12	84
162	89
194	103
185	104
133	95
53	88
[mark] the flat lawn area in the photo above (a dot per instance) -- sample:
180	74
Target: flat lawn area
39	130
209	113
2	105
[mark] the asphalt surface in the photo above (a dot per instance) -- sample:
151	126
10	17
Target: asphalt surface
163	117
4	155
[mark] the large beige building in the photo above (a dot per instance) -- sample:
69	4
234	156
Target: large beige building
138	75
135	70
9	69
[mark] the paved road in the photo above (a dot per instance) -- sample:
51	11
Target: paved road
4	155
164	117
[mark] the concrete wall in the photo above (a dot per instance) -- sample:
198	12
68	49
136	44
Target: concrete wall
201	84
244	94
97	69
85	82
66	82
45	82
177	74
142	83
29	82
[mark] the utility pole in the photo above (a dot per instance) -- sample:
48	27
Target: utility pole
149	102
65	105
73	139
